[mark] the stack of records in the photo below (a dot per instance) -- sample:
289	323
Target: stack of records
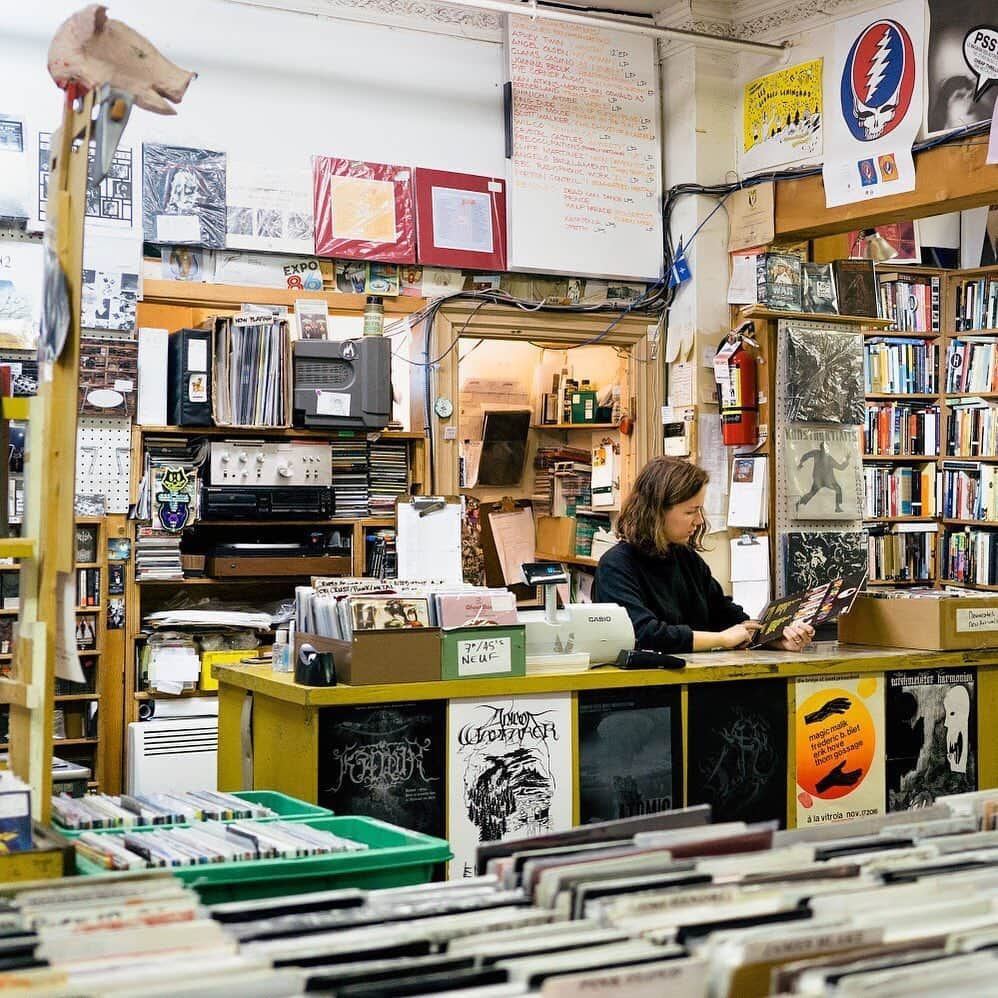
157	555
349	462
388	475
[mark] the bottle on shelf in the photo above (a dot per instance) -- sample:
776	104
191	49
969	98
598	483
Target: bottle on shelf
374	316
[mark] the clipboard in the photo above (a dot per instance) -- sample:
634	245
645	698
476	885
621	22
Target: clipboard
490	552
429	537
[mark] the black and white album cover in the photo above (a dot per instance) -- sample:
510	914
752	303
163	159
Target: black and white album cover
824	473
960	39
109	203
737	749
509	771
931	735
183	195
630	752
824	376
385	762
816	557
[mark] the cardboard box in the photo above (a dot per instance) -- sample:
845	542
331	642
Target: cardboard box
483	652
583	407
372	658
210	659
556	536
952	623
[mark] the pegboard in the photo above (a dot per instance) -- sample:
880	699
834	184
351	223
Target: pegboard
785	519
103	460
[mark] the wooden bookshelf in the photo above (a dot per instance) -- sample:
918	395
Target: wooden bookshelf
761	312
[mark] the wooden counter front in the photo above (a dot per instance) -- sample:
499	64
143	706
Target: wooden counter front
285	715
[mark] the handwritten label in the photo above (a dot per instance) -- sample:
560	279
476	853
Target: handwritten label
332	403
970	621
484	656
178	228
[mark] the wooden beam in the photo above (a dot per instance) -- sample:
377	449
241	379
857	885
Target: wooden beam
950	177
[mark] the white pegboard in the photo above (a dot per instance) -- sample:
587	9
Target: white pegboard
103	460
785	519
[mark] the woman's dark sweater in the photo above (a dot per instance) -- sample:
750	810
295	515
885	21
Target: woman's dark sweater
667	597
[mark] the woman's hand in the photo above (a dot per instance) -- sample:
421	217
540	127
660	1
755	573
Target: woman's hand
796	637
738	636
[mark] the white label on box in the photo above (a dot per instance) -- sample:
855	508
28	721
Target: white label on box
124	385
332	403
14	804
178	228
197	356
969	621
482	656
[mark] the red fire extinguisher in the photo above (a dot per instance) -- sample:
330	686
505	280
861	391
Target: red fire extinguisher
737	388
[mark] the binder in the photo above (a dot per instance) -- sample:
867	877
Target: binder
153	366
189	378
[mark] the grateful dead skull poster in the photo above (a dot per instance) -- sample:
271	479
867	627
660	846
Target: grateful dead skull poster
874	89
509	766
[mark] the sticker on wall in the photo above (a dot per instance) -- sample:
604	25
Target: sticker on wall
839	748
874	96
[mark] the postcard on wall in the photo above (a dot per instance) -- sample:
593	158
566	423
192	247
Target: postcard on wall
509	763
782	118
630	752
816	557
824	473
268	208
824	376
183	195
186	263
112	264
874	91
385	762
931	736
737	749
839	748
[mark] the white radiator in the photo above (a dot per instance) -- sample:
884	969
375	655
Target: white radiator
178	753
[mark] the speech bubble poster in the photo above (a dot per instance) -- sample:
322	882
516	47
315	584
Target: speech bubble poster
840	760
962	64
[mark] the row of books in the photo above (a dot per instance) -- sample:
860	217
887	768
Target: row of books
977	304
972	365
663	904
970	557
910	302
972	430
87	587
901	428
898	366
336	608
970	491
902	555
892	491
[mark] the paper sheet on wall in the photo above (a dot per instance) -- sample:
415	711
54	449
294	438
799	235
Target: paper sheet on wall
750	575
742	288
682	384
515	542
714	458
268	208
67	656
433	539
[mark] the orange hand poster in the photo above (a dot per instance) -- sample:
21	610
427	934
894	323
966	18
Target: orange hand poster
839	748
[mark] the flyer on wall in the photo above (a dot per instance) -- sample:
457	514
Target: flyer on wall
840	748
874	88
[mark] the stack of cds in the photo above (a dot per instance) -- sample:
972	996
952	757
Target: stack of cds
105	811
349	462
157	555
388	475
210	843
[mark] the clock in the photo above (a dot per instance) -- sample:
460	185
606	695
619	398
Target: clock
443	407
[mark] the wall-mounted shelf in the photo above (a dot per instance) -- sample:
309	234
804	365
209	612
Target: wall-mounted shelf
760	312
574	560
575	426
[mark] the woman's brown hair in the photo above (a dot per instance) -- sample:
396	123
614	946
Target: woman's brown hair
663	482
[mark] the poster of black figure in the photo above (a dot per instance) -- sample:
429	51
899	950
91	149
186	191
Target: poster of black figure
509	771
824	376
737	749
931	736
824	473
630	752
385	762
815	557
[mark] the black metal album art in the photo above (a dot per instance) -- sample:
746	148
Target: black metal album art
825	377
815	557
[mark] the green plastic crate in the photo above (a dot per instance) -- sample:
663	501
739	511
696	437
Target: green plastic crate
287	808
395	858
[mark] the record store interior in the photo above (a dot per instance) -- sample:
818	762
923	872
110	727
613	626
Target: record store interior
501	498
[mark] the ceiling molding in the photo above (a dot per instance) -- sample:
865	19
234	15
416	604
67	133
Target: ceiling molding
776	20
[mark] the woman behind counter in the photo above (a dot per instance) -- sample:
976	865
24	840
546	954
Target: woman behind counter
656	574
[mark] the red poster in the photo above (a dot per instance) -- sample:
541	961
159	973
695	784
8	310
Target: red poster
363	211
461	220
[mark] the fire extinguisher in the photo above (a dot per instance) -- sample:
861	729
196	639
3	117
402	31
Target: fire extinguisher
737	389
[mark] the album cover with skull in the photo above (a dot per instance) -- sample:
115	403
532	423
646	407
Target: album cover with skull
931	735
183	195
509	772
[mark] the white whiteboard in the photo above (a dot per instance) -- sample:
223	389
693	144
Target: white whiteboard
585	178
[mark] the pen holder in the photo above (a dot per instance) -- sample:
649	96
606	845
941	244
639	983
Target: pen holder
314	668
